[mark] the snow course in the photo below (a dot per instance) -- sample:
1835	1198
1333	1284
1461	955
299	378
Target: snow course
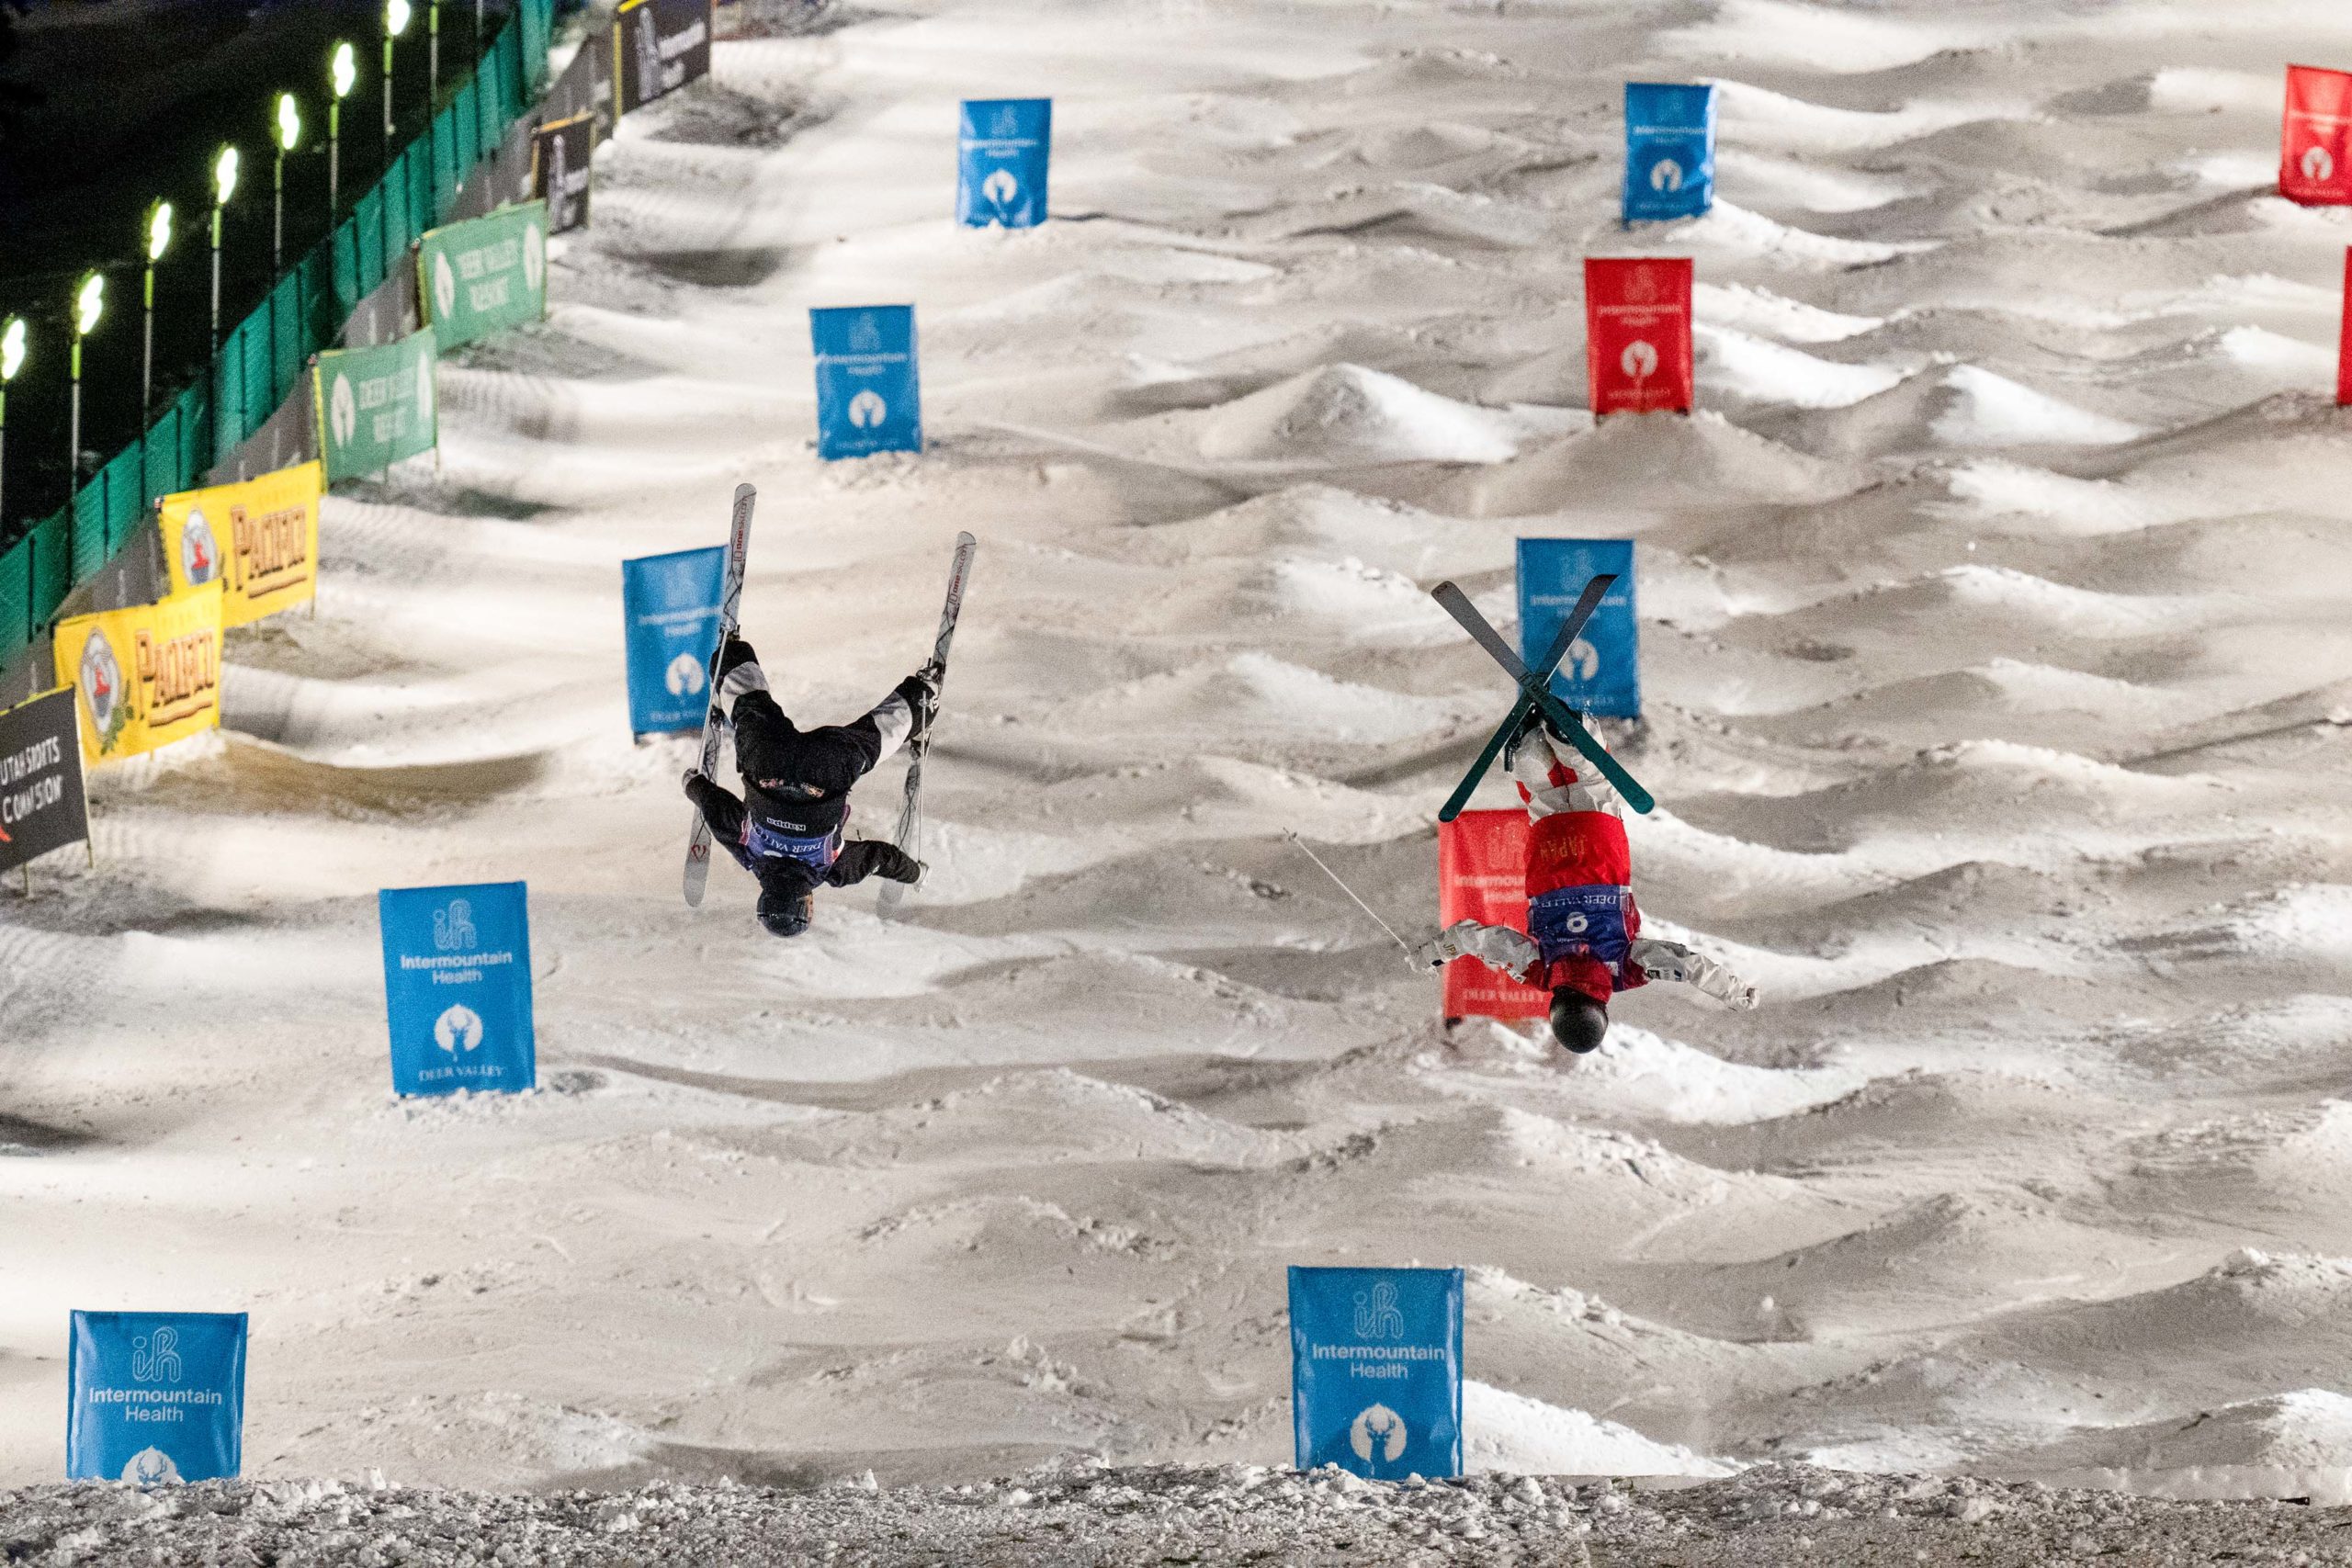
1994	630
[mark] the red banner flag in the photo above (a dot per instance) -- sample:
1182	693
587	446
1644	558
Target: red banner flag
2315	146
1637	334
2344	349
1482	875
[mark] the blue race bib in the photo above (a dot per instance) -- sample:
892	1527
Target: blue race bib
1581	922
817	853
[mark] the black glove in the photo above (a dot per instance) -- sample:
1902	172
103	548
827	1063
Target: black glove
920	691
737	651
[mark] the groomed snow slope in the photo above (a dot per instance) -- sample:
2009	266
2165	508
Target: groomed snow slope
1995	639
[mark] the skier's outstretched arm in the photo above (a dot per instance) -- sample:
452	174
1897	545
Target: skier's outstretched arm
1671	961
1497	947
861	857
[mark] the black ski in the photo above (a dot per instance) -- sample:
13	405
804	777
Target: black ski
1535	691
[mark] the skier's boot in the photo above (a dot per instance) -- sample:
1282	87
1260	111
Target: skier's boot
920	691
739	671
1554	730
1529	723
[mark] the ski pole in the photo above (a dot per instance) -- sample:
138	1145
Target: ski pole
1351	892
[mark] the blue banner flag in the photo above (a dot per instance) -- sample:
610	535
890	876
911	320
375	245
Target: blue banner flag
1601	673
868	396
156	1397
1377	1369
670	606
1669	150
1001	157
458	987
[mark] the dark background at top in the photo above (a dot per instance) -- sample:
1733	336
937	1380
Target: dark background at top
106	105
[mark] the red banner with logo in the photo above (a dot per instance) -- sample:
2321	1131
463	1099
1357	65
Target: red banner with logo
2315	144
1637	334
1482	875
2344	349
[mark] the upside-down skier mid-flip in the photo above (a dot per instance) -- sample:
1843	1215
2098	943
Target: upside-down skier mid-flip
787	829
1583	941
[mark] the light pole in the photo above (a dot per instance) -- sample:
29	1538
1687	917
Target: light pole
12	359
290	138
395	24
159	237
343	70
224	185
89	302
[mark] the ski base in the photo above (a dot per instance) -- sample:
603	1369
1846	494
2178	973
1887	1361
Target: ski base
714	724
909	836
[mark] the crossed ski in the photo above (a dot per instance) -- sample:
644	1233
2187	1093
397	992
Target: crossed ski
1535	691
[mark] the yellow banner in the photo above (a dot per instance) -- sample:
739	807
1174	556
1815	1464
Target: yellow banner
259	540
145	676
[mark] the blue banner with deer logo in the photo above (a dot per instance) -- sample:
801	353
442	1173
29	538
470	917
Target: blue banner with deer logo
1601	673
671	606
1669	151
1376	1370
155	1397
458	987
869	398
1001	152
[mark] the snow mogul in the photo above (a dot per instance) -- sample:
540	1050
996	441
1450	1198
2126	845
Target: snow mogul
1583	941
787	829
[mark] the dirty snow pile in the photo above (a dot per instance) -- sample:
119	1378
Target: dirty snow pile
1773	1517
1997	618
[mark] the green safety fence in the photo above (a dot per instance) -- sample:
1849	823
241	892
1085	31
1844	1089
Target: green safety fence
261	362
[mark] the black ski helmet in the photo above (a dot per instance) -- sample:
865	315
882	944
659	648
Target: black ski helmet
1578	1022
786	904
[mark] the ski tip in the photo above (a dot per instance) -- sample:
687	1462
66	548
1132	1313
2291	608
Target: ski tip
965	542
744	493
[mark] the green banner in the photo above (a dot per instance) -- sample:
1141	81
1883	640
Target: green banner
485	274
375	405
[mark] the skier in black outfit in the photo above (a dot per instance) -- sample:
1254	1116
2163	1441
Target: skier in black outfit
787	830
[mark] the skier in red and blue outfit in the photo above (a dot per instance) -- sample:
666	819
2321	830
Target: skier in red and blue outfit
1583	941
787	829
